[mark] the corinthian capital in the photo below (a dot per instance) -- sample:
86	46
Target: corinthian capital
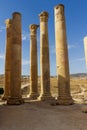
59	12
44	16
8	22
33	28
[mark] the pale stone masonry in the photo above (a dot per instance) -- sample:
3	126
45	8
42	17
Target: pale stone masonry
8	23
85	48
15	91
44	57
64	97
33	62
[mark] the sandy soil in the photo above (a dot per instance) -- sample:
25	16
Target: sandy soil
42	116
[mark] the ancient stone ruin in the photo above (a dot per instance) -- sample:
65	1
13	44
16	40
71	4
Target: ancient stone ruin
44	57
33	62
13	59
62	57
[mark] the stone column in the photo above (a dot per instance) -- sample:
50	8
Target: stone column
44	57
33	62
64	97
15	94
8	23
85	48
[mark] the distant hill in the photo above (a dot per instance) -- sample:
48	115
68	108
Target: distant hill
72	75
79	75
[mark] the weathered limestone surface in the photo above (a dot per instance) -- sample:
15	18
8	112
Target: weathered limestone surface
33	62
85	48
62	57
8	23
15	94
44	57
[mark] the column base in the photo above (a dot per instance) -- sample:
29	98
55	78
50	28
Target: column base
33	96
65	101
15	101
5	98
46	97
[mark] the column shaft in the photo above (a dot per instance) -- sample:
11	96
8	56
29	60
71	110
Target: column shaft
15	97
33	62
44	57
62	57
85	48
8	23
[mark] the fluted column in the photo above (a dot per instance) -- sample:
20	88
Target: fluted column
85	48
33	62
44	57
8	23
15	94
62	57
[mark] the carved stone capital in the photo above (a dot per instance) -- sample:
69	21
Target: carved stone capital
16	16
33	28
59	6
85	38
44	16
16	13
59	12
8	22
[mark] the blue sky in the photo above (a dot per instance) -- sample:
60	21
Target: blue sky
76	27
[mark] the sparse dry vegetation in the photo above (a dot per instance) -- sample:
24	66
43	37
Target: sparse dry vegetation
78	86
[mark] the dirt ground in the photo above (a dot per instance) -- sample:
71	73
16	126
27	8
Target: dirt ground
42	116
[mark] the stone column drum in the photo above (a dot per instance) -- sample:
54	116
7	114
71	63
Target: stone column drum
44	57
33	62
85	48
15	94
64	97
8	23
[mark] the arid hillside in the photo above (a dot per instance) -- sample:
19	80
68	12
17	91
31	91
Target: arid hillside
78	85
